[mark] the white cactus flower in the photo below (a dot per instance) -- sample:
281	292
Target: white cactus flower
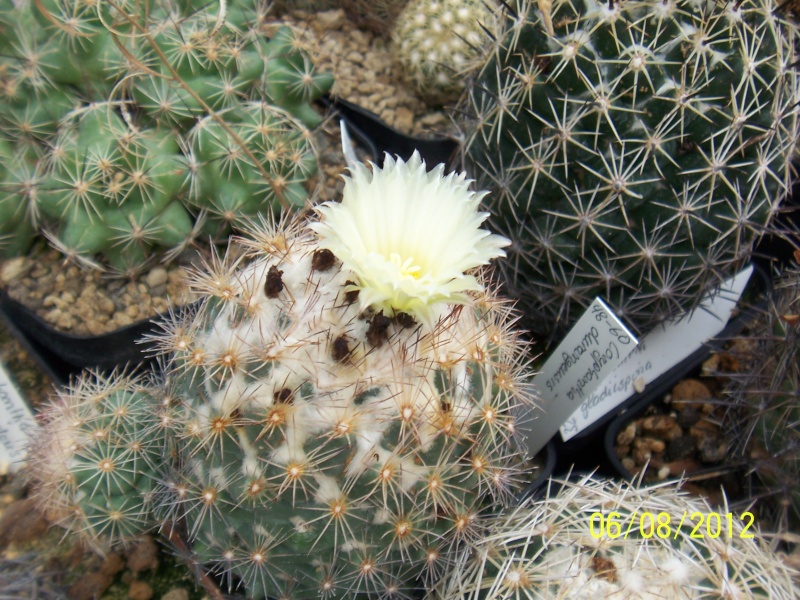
411	236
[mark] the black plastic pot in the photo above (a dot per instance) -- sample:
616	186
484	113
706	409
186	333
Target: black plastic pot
588	450
637	404
375	135
550	458
62	354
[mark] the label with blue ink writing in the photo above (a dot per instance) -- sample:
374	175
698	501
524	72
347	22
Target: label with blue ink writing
659	350
592	349
16	425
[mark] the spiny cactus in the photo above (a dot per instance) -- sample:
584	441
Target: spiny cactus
332	417
439	41
136	126
637	152
340	419
95	462
763	409
555	548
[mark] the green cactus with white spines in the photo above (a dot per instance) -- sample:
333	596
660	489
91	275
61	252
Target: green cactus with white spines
102	101
556	547
95	463
331	444
439	42
637	153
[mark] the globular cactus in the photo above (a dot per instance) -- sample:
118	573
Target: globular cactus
555	548
762	415
439	42
95	462
346	393
334	415
634	154
104	108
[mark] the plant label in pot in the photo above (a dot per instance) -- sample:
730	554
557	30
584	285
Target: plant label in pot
16	423
592	349
659	351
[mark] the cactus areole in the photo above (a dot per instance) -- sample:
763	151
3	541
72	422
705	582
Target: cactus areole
636	153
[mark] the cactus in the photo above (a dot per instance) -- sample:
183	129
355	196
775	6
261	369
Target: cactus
636	153
438	42
762	416
335	413
555	548
95	462
136	127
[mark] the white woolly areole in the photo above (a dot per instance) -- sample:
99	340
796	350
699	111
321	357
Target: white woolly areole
410	235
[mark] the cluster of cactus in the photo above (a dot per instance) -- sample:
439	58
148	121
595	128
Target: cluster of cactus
139	126
439	41
636	153
763	407
310	439
577	543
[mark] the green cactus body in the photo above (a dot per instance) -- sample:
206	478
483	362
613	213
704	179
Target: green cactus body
603	539
329	450
104	102
439	42
95	462
636	153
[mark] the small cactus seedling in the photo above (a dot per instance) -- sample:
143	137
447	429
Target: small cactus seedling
634	154
763	412
603	539
440	41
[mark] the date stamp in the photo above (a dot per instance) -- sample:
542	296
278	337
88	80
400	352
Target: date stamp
662	525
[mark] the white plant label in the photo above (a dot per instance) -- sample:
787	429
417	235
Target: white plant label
16	425
659	351
590	351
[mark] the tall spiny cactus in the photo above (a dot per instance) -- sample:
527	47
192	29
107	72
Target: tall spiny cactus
635	153
340	407
104	103
576	543
763	411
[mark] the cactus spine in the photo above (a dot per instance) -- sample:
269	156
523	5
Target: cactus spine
763	409
635	154
555	548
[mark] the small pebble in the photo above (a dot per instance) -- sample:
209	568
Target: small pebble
140	590
156	276
176	594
